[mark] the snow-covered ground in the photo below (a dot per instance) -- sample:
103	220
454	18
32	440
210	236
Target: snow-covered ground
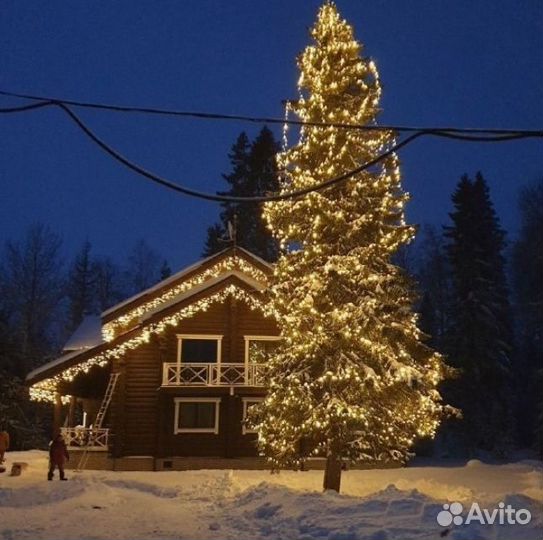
375	504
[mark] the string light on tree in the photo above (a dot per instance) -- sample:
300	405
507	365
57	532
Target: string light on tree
352	379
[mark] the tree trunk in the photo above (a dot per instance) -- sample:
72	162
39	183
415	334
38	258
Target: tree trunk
332	473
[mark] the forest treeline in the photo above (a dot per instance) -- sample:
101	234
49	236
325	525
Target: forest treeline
480	301
43	299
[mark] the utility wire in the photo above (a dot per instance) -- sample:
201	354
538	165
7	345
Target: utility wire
23	108
263	119
264	198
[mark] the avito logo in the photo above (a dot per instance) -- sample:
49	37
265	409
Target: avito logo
503	514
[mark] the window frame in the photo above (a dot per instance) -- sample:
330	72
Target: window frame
248	340
208	337
246	400
179	400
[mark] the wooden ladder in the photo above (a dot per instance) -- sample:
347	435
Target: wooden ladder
99	420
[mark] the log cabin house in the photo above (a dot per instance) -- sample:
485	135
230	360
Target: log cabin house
189	354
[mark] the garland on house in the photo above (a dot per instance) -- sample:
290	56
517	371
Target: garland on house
46	390
113	328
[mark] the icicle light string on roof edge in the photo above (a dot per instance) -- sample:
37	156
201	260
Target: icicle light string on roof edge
46	389
111	329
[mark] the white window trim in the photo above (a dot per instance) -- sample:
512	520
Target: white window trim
248	340
246	400
210	337
178	401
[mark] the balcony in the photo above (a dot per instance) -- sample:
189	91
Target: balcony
212	374
85	438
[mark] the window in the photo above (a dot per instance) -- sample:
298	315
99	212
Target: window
197	415
259	348
248	403
196	349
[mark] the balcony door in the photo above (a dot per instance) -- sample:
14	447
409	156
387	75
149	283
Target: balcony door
198	358
199	349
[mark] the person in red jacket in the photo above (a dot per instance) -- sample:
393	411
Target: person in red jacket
58	454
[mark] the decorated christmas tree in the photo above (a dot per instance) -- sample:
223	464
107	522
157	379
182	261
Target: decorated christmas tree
352	379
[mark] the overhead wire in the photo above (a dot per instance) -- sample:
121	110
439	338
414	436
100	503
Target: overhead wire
259	119
473	136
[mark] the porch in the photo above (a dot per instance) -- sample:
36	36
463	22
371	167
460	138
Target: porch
88	438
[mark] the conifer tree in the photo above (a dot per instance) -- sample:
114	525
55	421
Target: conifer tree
433	277
108	285
254	172
143	269
351	380
528	285
80	288
479	340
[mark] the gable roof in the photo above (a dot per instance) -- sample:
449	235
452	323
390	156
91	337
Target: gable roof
183	275
159	318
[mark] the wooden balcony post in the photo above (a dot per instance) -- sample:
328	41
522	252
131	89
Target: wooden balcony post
57	412
71	411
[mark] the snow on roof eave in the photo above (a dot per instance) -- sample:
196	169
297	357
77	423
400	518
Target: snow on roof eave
57	362
191	292
202	287
178	275
159	285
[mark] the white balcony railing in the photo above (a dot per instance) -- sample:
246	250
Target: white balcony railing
213	374
89	438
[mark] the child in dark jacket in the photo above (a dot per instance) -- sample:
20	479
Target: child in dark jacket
58	453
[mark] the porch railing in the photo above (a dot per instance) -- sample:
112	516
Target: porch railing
212	374
89	438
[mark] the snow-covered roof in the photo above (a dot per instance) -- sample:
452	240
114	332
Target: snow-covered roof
178	275
88	334
202	287
69	358
56	362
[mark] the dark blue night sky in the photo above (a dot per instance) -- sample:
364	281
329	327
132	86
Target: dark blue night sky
467	63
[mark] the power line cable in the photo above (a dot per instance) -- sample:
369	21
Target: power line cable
23	108
264	198
262	119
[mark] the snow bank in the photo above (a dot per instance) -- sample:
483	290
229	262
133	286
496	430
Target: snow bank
376	504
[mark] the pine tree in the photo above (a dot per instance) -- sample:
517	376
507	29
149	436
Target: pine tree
143	269
428	319
107	283
254	172
528	287
351	379
239	155
480	336
80	287
434	279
